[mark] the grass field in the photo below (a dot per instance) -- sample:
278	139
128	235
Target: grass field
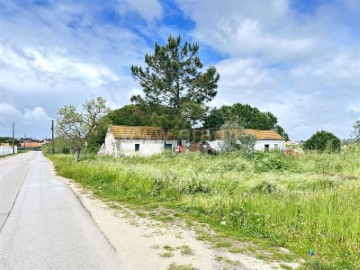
305	203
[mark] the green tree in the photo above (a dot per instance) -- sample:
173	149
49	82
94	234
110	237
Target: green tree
77	126
251	118
323	141
230	130
98	134
61	144
142	114
234	140
130	115
355	133
173	79
247	143
281	132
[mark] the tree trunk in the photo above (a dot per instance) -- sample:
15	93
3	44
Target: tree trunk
77	154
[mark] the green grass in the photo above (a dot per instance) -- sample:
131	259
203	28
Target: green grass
185	250
166	254
175	266
310	202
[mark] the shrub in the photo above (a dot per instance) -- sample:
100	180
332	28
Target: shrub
323	141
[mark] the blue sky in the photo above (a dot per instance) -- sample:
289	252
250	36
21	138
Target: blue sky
298	59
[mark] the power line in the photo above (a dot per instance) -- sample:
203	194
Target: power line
4	125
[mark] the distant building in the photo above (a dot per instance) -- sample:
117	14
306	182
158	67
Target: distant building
30	144
293	145
131	141
266	140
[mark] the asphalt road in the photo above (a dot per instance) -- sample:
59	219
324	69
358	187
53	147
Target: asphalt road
43	225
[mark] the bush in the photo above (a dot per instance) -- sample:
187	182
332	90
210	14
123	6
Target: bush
323	141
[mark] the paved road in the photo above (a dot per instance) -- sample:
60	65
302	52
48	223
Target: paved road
42	223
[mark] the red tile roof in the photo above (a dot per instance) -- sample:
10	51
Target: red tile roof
258	134
140	132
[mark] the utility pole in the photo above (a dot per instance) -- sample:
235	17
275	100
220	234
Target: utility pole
52	136
13	137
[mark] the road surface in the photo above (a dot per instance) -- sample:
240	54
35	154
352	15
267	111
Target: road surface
43	225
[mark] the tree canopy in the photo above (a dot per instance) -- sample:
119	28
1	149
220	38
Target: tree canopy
323	141
143	114
250	117
77	126
173	79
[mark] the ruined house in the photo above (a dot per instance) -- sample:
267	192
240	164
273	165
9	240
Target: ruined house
266	140
132	141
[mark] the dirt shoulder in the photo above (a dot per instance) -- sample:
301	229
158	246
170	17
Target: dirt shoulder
144	243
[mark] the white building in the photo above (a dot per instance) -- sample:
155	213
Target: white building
266	140
7	150
131	141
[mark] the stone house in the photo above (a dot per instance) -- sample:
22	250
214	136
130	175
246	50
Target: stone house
132	141
266	140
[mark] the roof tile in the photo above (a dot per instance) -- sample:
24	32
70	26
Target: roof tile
259	134
141	132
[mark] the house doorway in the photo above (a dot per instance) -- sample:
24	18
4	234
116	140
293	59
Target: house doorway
137	147
266	147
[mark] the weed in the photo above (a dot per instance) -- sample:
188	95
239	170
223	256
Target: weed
286	267
185	250
309	202
222	244
166	254
168	248
175	266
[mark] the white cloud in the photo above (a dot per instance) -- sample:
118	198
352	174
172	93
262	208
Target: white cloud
343	67
148	9
35	114
243	73
35	118
304	98
249	28
55	63
302	66
7	110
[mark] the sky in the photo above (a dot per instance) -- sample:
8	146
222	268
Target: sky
299	59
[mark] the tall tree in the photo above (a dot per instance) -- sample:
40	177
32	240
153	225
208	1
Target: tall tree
173	78
77	126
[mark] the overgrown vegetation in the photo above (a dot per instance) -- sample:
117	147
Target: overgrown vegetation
323	141
76	127
305	203
250	117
